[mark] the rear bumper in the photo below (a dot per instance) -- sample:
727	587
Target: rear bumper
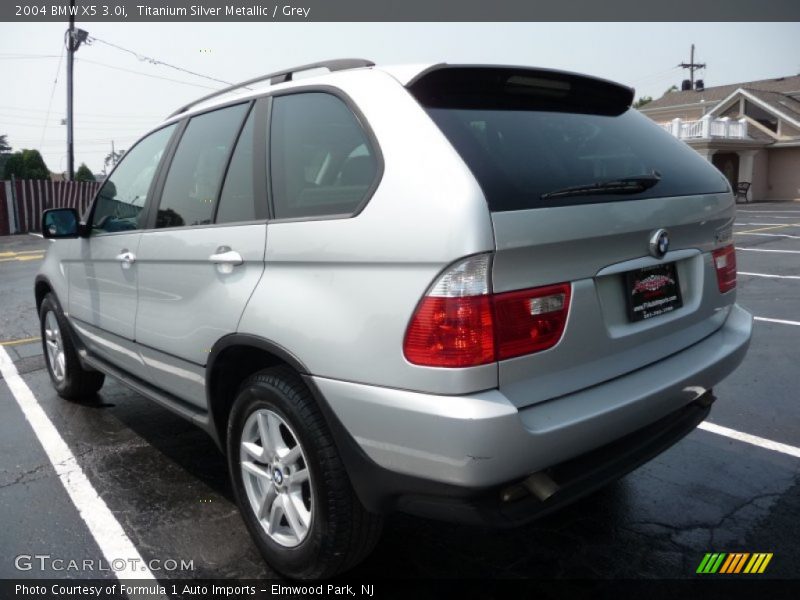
409	443
505	506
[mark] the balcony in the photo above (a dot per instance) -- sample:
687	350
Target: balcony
707	128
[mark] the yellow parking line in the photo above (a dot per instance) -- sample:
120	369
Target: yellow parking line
5	254
22	258
767	228
20	341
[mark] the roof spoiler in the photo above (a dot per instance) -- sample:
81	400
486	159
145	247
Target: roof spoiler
518	88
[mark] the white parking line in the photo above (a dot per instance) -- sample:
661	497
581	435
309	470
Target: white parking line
767	250
115	545
778	224
783	235
781	321
769	276
768	216
750	439
759	212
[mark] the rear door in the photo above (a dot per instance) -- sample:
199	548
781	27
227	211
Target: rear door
103	281
202	258
579	185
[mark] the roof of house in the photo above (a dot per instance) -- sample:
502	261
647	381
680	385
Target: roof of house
781	85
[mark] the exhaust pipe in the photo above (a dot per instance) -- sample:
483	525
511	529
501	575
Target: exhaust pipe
541	485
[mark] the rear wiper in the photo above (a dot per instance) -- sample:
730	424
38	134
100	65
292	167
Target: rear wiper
625	185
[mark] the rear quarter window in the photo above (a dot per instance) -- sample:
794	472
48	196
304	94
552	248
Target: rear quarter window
322	163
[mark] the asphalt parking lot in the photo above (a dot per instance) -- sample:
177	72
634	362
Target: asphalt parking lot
167	488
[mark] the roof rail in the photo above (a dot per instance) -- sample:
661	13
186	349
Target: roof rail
339	64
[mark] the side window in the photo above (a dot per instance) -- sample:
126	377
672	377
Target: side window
237	201
123	195
195	174
321	161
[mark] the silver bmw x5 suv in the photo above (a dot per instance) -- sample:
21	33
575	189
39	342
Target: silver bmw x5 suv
475	293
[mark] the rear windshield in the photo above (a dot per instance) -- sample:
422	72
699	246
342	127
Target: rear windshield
519	155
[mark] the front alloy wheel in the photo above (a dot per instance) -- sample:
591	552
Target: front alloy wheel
55	347
63	364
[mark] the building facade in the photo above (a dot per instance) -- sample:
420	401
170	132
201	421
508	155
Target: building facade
750	131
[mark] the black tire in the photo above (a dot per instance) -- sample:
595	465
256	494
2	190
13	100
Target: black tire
341	532
76	383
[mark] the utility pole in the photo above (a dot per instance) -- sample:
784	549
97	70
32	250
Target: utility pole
70	61
692	66
75	37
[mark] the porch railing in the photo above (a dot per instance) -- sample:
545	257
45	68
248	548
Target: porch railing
707	128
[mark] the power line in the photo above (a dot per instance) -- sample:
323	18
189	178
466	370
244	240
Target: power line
94	62
37	121
85	114
52	93
27	56
654	76
155	61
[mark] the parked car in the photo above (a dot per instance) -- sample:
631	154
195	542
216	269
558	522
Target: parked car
475	293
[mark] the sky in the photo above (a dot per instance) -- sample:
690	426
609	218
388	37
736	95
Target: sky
118	96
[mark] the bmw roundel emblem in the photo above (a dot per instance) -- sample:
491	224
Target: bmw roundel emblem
659	243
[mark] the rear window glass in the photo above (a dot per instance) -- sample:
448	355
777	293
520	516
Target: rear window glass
519	152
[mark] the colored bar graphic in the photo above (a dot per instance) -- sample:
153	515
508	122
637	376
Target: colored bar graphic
734	562
741	562
755	562
718	563
765	563
728	562
703	563
711	562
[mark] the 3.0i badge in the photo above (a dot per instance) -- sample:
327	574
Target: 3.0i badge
659	243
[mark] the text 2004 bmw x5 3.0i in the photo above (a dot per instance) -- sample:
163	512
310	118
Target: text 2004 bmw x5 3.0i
473	293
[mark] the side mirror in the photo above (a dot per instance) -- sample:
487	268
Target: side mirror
60	223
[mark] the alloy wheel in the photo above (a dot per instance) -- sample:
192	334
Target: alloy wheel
55	347
276	478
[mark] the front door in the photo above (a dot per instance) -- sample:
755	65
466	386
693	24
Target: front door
103	279
728	164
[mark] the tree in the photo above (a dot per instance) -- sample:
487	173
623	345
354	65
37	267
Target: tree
26	164
642	101
112	158
84	173
5	150
673	88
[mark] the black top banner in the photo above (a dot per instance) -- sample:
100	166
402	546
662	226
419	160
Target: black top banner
401	10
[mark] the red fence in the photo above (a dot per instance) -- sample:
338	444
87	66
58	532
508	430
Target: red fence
22	201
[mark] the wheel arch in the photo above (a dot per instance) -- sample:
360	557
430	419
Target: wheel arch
41	288
233	359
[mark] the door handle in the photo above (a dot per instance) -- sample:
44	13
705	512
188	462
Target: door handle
127	258
226	256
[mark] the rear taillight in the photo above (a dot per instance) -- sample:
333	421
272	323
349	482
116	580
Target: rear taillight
452	326
460	324
725	265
